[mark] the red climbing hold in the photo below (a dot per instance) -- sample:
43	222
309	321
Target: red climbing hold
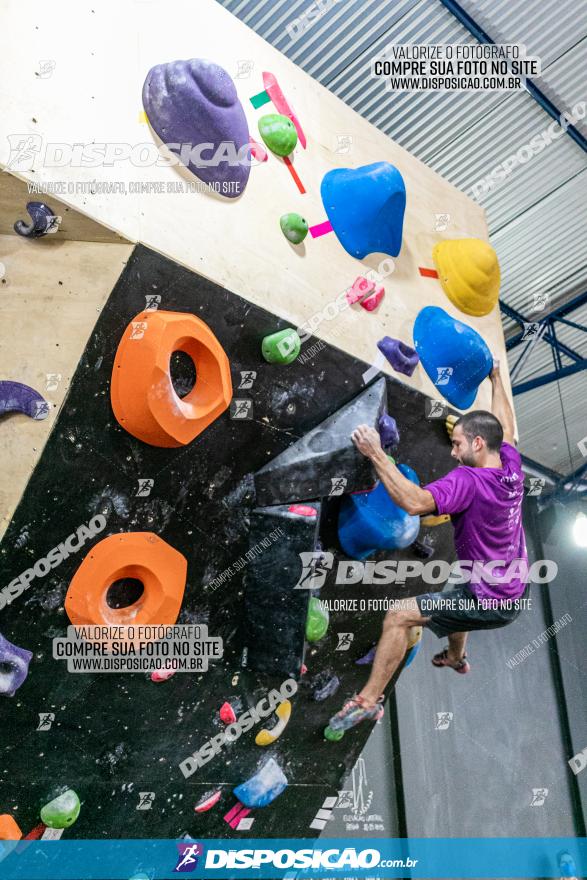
162	674
227	714
208	801
371	302
302	510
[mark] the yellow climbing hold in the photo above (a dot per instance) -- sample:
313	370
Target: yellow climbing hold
450	422
267	737
469	273
414	636
432	520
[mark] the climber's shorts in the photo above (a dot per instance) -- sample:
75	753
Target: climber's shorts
459	610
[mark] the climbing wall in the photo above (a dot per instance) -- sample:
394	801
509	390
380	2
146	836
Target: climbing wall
115	736
272	432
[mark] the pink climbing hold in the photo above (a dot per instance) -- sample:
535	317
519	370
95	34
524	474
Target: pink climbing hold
208	801
227	714
257	151
304	669
371	302
302	510
361	287
162	674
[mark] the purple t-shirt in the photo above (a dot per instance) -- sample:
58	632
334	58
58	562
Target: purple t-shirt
485	505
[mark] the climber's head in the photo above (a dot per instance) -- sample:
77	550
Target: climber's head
476	436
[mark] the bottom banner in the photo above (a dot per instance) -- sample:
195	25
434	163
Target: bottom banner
507	857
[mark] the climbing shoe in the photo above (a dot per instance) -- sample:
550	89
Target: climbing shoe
355	711
461	666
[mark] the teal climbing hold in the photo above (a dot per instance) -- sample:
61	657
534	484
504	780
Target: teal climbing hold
317	620
282	347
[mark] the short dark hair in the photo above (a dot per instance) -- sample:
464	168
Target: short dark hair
481	423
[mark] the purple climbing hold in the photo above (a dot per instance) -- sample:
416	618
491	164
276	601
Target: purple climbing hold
16	397
195	103
388	430
14	666
368	658
402	357
43	220
325	684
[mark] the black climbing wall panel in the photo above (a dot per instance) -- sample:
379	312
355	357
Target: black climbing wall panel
275	611
117	735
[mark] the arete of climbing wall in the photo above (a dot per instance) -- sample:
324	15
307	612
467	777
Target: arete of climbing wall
201	458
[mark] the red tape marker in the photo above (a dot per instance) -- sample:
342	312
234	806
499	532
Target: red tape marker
294	174
428	273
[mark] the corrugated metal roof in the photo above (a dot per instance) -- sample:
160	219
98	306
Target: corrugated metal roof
536	215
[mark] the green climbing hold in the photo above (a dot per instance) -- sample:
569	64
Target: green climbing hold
62	811
294	227
282	347
278	133
317	620
333	735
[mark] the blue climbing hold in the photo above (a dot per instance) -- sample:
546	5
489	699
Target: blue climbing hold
371	521
412	653
262	788
454	355
366	208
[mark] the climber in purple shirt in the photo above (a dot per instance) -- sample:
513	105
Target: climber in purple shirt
484	498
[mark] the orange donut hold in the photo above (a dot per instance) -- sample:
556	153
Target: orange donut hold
141	555
141	391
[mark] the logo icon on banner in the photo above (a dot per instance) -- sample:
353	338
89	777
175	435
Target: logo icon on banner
187	860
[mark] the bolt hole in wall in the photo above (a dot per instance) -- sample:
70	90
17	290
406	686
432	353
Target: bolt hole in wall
124	592
183	373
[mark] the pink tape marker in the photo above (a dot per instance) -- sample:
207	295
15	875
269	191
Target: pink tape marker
237	813
321	229
282	105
